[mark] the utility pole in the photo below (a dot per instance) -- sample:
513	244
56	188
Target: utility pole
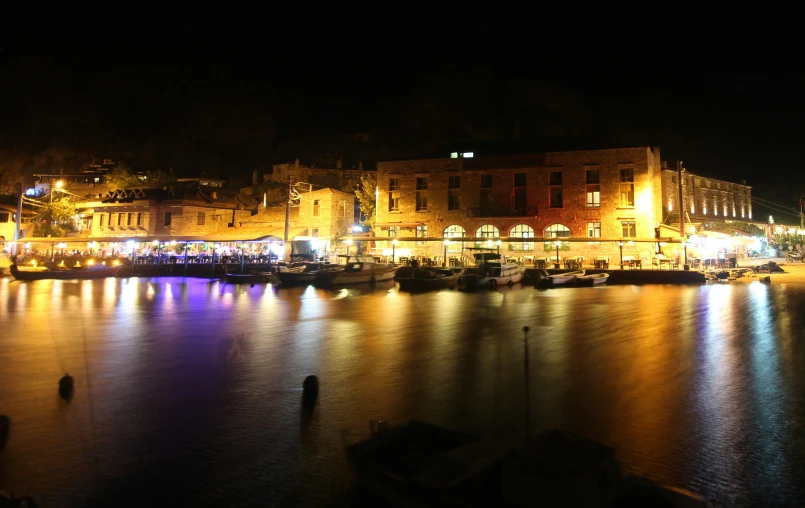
288	220
682	213
19	219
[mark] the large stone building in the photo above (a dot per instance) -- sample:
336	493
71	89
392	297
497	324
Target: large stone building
594	196
706	199
187	209
319	177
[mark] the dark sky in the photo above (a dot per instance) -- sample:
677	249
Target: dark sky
199	87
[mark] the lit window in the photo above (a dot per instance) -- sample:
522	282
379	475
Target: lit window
422	232
627	187
315	207
454	231
487	231
593	230
628	229
468	154
521	231
557	231
394	231
454	155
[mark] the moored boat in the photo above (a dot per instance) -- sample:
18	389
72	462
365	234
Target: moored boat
559	279
593	279
490	273
248	278
429	279
84	272
358	270
300	275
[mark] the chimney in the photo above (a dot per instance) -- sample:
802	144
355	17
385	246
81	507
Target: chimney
255	180
296	163
338	164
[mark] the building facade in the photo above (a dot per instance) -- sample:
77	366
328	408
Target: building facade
595	195
706	199
320	216
183	210
319	177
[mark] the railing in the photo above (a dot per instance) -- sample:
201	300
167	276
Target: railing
484	212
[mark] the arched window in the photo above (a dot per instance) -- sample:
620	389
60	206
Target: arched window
521	231
557	231
455	231
487	231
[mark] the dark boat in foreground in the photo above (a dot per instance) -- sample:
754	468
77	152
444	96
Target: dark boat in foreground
9	501
81	273
429	279
5	424
422	465
249	278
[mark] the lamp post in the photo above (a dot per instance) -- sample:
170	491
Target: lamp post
620	245
444	259
557	243
499	242
394	251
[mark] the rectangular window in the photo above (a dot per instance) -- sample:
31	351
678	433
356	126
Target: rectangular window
139	219
168	218
628	229
315	233
128	219
556	197
673	178
627	194
454	199
593	196
453	182
486	181
421	183
394	231
394	184
120	219
594	230
315	208
519	179
202	218
627	175
102	219
394	201
592	176
422	232
109	221
4	216
421	201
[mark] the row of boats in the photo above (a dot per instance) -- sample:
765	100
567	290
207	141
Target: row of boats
489	272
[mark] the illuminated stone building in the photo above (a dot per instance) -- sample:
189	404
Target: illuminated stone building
706	199
588	197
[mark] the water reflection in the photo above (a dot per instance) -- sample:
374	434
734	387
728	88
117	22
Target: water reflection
197	384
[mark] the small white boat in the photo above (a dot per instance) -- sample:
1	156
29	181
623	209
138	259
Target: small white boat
358	270
560	279
594	279
490	273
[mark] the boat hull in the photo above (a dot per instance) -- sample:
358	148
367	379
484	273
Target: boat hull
415	285
471	281
73	274
296	279
248	278
327	278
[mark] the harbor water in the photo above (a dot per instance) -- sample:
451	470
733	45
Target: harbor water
188	392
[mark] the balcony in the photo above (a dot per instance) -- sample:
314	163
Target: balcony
491	212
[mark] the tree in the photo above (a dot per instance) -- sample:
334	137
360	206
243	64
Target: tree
56	219
365	192
123	178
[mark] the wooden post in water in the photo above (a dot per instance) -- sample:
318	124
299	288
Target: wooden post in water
527	384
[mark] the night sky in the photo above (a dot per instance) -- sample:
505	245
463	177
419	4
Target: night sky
200	89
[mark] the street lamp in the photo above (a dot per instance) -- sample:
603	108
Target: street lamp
620	245
394	250
444	260
557	243
499	242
